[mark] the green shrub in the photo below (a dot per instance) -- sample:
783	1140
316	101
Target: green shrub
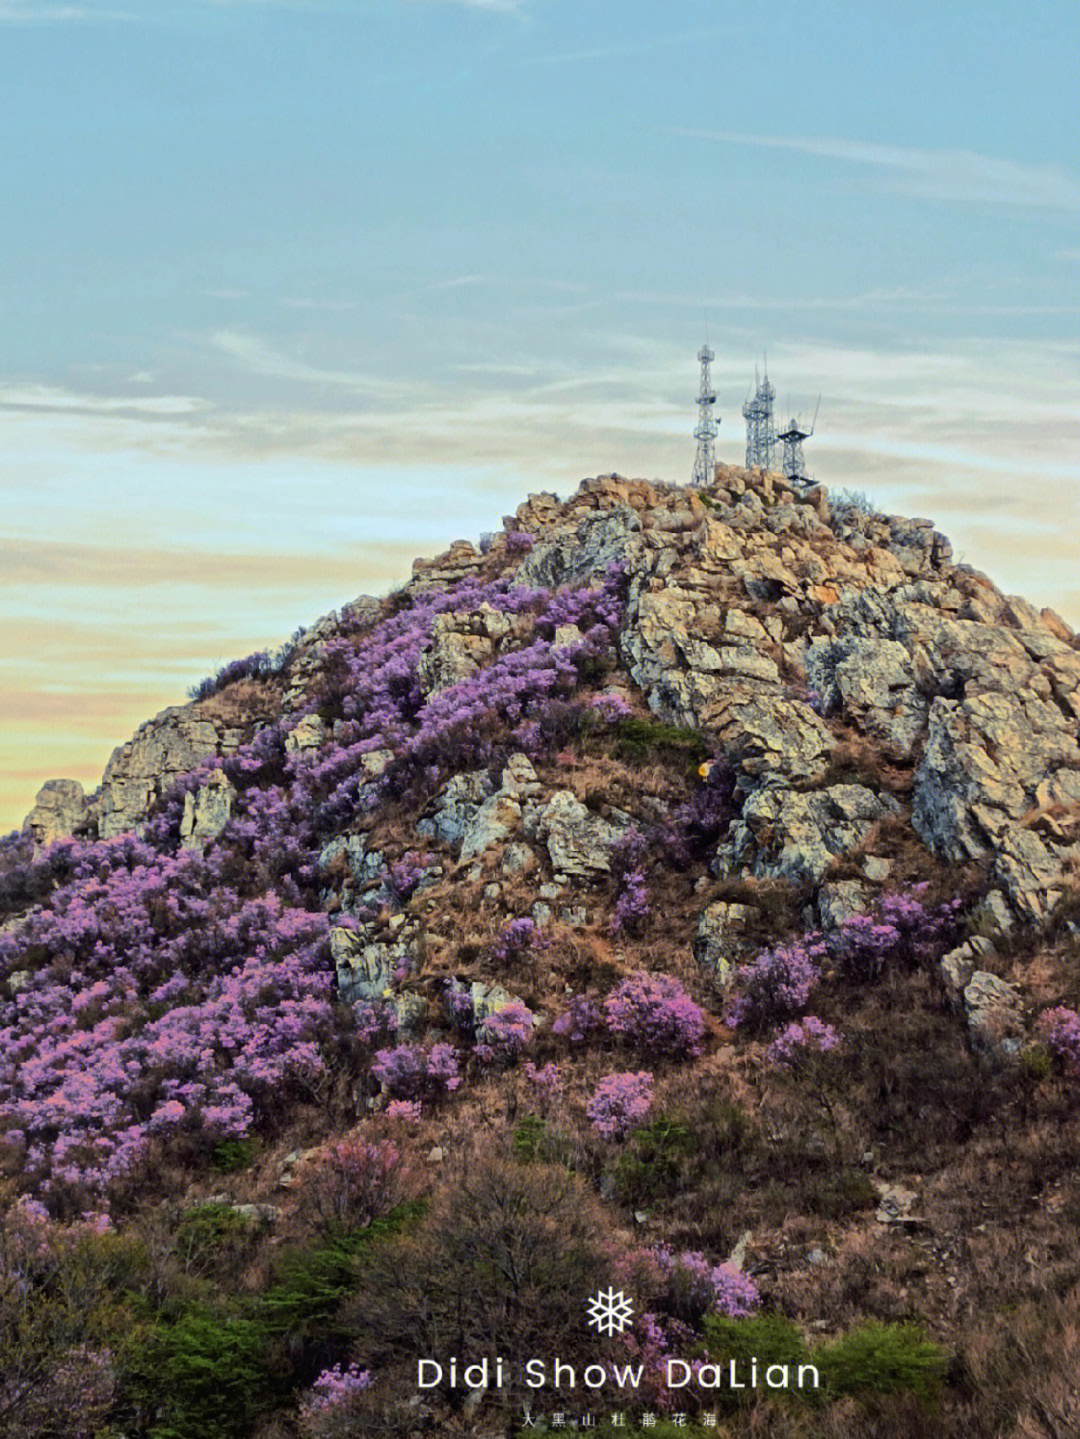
834	1192
882	1359
209	1235
638	740
529	1138
231	1155
770	1338
653	1159
202	1376
1036	1061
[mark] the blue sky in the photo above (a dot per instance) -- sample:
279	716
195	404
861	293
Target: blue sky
291	292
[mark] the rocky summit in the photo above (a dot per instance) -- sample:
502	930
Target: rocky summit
678	892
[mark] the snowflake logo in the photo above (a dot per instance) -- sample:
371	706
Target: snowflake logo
609	1311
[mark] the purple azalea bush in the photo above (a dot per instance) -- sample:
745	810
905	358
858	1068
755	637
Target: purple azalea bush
1059	1029
413	1071
502	1037
799	1040
654	1013
619	1102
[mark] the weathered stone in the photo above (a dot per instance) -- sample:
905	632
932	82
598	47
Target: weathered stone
960	964
365	970
61	809
872	680
517	858
519	779
791	834
994	1011
454	654
457	807
579	842
496	818
720	935
139	772
895	1204
308	733
840	900
585	552
985	758
207	810
1031	871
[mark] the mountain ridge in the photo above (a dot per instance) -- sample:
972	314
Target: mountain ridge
694	868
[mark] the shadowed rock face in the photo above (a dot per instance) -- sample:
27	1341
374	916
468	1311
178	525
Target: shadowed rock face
772	626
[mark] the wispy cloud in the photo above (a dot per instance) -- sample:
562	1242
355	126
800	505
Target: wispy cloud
620	51
957	175
30	12
52	399
260	358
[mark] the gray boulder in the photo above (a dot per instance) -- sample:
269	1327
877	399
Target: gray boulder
579	843
207	810
61	809
793	834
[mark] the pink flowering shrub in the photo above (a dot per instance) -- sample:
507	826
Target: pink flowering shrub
619	1102
411	1071
581	1018
776	983
632	903
330	1409
902	932
545	1082
654	1013
799	1040
353	1182
517	937
1059	1029
176	998
611	706
696	1287
504	1034
410	1111
519	542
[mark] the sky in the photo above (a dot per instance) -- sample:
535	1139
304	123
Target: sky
291	293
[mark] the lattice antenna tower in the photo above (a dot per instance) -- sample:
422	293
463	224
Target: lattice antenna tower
707	425
794	461
760	424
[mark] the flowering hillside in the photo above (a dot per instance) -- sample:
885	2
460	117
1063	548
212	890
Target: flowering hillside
677	896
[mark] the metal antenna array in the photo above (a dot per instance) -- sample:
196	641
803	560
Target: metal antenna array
760	426
705	434
794	462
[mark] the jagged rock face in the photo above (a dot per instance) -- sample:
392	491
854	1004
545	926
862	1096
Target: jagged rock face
579	843
596	544
61	809
161	750
207	811
789	834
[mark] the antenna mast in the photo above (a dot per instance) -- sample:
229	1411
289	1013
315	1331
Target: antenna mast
760	425
794	461
705	433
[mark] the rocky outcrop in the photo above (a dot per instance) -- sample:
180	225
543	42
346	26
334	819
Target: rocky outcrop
579	843
61	809
473	815
207	810
790	834
163	749
721	936
584	553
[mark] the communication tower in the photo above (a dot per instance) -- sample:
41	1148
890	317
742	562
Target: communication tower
794	461
760	425
705	434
